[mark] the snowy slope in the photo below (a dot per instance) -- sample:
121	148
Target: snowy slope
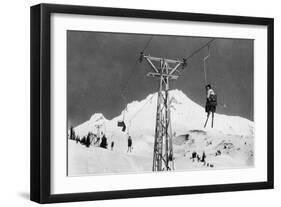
186	115
84	161
232	136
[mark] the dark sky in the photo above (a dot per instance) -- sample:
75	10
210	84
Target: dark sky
100	64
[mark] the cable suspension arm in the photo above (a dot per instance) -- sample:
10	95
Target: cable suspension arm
200	48
152	65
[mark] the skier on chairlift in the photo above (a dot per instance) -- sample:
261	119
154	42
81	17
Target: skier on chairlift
211	103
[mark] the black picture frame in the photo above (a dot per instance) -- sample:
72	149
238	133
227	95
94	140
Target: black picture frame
41	98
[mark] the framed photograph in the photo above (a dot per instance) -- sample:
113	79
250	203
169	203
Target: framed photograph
132	103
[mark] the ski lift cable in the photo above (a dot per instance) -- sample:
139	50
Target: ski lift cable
132	117
147	44
199	49
134	70
122	124
128	80
205	59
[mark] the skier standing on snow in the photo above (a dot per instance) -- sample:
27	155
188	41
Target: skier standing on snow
112	145
211	103
130	143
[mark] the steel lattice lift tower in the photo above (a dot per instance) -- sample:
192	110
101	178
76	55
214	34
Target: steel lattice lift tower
164	70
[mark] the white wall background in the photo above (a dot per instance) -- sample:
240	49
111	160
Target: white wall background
14	101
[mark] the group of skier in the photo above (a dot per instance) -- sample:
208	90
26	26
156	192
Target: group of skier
196	157
104	144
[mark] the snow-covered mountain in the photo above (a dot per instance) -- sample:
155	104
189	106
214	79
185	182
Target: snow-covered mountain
185	114
232	136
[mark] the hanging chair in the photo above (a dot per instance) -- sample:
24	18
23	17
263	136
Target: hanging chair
122	123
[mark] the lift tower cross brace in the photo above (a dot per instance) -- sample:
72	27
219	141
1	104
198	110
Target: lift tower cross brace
164	70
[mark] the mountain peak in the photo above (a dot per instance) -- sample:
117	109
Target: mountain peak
185	115
97	117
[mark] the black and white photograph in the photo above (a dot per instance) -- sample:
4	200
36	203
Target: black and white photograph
134	103
140	103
